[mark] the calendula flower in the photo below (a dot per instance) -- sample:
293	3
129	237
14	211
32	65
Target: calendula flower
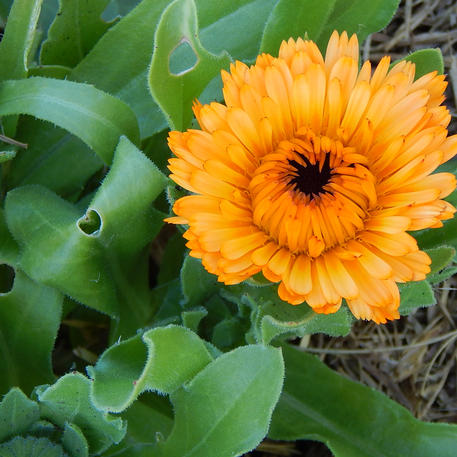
313	172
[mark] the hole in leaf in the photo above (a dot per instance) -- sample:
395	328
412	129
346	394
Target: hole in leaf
7	275
91	223
182	59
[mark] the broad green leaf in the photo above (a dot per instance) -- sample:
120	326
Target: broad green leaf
76	28
55	159
274	318
50	71
358	16
17	414
197	284
18	38
295	18
29	321
74	442
31	447
96	258
415	294
352	419
92	115
175	93
46	227
123	201
124	52
119	8
16	45
68	401
441	257
427	60
149	419
192	318
162	359
245	19
225	410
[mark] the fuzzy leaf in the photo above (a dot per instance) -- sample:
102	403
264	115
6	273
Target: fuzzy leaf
55	159
17	414
358	16
197	284
46	227
162	359
29	321
351	419
415	294
426	60
68	401
95	258
92	115
175	93
76	28
225	410
18	38
295	19
74	442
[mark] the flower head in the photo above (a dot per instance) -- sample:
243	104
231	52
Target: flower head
313	172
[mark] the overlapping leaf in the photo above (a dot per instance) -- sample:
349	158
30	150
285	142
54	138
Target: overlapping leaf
91	257
352	419
94	116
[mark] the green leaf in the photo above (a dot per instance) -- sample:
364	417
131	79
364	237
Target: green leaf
174	93
31	447
68	401
197	284
358	16
74	442
123	201
46	227
415	294
55	159
17	414
245	19
92	115
29	321
149	419
427	60
295	18
76	28
225	410
352	419
441	257
18	38
16	45
162	359
96	258
124	52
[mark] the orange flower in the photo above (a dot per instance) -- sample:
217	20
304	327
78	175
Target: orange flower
313	172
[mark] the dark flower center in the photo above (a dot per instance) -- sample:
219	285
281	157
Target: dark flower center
309	178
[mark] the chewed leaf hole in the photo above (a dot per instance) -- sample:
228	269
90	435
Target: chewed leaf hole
7	275
182	59
91	223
